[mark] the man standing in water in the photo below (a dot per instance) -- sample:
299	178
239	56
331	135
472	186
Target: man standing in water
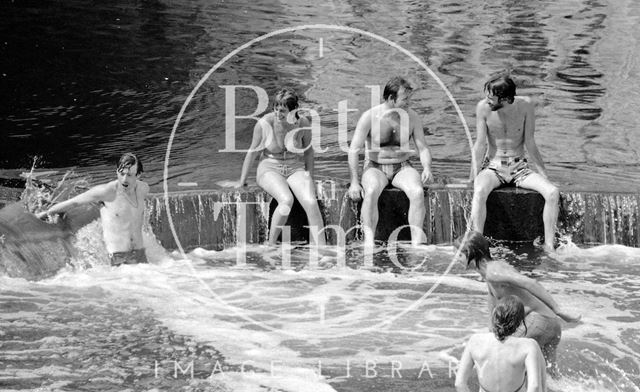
121	209
506	123
542	312
386	130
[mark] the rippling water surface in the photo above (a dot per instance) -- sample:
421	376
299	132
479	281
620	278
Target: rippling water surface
83	82
282	323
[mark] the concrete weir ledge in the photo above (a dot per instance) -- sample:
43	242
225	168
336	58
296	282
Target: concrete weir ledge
217	219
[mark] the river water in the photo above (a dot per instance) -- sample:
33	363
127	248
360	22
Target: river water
279	323
84	81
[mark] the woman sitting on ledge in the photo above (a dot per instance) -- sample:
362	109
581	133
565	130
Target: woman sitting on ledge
503	362
283	172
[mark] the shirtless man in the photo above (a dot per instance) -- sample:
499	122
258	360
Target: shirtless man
503	362
506	123
542	312
121	209
386	130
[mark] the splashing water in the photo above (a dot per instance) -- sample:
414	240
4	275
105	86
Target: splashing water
42	189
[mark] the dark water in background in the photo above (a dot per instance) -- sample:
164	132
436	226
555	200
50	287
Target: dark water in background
83	81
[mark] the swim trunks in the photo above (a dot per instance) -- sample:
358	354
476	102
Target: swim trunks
135	256
390	170
284	164
508	170
544	330
524	381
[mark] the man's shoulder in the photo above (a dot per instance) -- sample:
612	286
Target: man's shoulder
144	185
366	116
108	187
482	107
528	344
523	100
478	337
374	109
266	119
498	270
143	188
479	341
105	191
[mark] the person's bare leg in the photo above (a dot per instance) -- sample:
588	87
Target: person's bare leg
373	182
276	185
551	194
486	181
408	180
303	188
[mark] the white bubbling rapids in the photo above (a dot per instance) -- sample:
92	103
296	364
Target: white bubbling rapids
280	322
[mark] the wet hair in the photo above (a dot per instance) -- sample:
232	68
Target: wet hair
501	86
393	86
288	98
127	160
475	246
507	316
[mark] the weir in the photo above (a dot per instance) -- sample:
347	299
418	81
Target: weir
218	219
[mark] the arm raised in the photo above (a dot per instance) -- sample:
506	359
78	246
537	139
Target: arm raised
96	194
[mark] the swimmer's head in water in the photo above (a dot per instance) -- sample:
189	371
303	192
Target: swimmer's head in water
507	316
397	87
285	101
499	89
474	246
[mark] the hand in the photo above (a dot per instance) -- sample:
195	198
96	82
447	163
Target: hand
426	176
355	191
570	318
42	215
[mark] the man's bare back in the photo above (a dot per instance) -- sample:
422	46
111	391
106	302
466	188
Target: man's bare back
500	290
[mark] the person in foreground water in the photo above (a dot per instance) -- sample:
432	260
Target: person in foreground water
279	137
506	124
503	361
121	210
542	312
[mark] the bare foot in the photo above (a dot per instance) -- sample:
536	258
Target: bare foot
549	248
